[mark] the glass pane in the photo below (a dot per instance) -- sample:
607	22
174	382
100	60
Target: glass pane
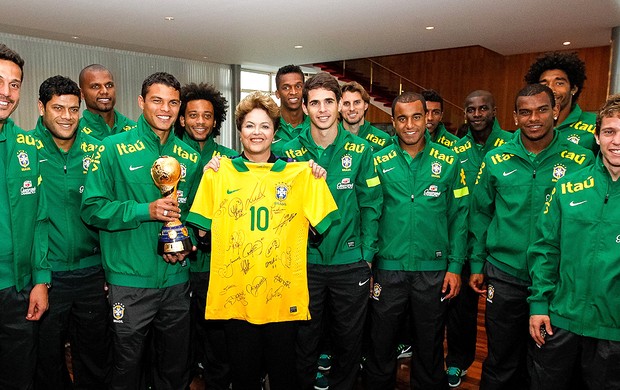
254	81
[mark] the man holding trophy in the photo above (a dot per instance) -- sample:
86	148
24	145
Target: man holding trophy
129	192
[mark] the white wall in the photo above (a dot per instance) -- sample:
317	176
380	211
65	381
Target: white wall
45	58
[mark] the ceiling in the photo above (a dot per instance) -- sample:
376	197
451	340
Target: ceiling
262	34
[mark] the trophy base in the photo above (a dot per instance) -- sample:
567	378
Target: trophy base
173	239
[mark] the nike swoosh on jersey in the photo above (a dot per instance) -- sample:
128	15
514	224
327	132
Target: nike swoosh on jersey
276	140
573	203
510	173
464	161
231	191
364	282
387	170
44	160
132	168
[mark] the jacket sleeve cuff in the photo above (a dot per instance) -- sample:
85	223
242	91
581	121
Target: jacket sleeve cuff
539	308
476	267
142	212
41	276
455	267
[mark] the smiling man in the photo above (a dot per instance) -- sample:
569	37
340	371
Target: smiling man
289	85
98	89
513	183
355	102
147	294
79	311
574	306
418	265
565	74
339	267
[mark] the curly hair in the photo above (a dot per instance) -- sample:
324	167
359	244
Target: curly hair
610	109
57	86
203	91
430	95
569	63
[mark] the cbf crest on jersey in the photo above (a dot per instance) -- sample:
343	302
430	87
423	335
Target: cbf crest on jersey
347	161
23	159
86	163
436	169
183	171
558	172
281	191
574	138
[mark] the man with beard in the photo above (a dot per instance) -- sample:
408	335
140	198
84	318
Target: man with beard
565	74
513	183
100	119
355	102
434	115
483	135
289	84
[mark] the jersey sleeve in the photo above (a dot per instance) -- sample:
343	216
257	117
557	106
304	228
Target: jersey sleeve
543	256
41	269
370	202
99	206
480	216
321	210
201	212
458	220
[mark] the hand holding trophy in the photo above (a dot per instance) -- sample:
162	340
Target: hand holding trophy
173	237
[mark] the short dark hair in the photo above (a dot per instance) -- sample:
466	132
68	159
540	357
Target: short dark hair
408	97
610	109
286	70
57	86
535	89
430	95
322	80
9	54
203	91
160	78
569	63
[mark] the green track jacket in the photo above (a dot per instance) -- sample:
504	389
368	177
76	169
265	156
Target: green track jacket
578	127
423	226
95	126
508	196
355	186
443	137
575	261
201	260
116	200
28	210
72	244
378	139
286	133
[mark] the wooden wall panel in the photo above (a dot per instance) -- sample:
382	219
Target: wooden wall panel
454	73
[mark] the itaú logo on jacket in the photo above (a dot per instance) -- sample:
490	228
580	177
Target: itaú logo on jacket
28	188
345	184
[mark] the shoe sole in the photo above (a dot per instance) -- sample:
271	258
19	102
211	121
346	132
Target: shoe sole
405	355
463	373
323	369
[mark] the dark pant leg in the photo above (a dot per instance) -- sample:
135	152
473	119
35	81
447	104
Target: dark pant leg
552	365
387	314
309	333
133	310
462	325
349	288
89	331
600	363
17	340
428	315
507	326
279	352
245	346
209	342
171	330
52	372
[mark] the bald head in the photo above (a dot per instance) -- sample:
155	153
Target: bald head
480	93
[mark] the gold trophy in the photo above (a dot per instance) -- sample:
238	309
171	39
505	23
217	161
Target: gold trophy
173	237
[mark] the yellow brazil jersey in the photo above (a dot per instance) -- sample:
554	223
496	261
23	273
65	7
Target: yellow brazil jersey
258	214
